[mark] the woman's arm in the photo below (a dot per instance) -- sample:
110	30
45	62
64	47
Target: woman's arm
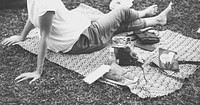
27	28
45	30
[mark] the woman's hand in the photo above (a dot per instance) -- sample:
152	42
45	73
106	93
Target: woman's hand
29	75
11	40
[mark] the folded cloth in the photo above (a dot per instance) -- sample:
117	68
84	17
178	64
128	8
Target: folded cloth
148	38
147	47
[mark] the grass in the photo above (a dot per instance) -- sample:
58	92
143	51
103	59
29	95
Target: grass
60	86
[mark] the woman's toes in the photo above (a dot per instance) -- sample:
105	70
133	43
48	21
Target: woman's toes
152	10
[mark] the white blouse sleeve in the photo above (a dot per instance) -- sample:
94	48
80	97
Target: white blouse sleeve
47	5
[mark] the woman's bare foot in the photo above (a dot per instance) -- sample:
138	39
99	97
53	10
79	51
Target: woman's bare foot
151	11
162	17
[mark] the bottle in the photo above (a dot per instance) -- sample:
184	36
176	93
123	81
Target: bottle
111	57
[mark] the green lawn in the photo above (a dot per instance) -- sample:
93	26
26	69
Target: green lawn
61	86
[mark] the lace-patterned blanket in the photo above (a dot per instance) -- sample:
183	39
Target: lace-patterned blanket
150	82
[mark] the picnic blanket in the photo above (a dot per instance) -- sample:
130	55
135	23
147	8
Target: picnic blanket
150	82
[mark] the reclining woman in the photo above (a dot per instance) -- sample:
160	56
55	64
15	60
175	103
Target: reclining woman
64	31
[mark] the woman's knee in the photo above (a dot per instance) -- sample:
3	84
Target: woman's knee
124	11
123	8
